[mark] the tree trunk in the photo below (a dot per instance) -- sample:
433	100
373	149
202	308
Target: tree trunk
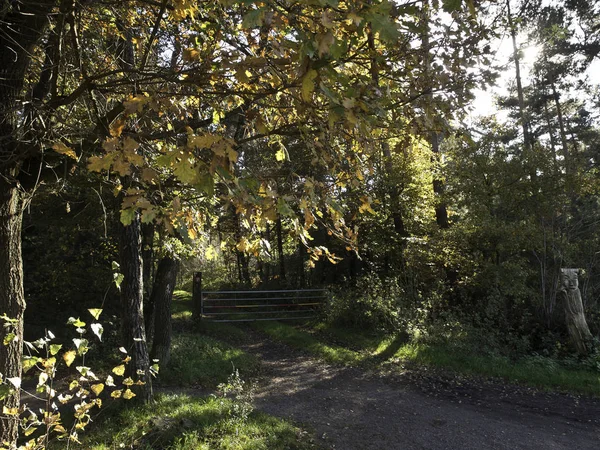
22	25
574	315
148	263
278	230
162	297
134	333
12	299
524	121
441	211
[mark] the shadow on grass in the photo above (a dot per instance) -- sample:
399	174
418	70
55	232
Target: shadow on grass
179	422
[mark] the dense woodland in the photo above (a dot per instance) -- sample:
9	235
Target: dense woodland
297	143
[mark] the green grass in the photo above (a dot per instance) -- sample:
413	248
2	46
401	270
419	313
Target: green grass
178	422
181	308
201	360
345	346
541	373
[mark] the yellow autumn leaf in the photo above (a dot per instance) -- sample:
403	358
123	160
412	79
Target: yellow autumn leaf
280	154
128	381
191	54
10	411
116	394
61	148
128	394
95	312
119	370
97	388
60	429
308	85
69	357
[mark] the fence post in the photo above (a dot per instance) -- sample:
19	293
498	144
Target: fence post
197	296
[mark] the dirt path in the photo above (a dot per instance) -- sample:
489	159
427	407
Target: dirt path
351	409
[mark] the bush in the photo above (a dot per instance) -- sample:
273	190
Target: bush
374	304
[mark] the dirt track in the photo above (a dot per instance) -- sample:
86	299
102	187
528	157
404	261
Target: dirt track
352	409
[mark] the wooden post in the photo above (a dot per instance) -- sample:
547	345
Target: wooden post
197	296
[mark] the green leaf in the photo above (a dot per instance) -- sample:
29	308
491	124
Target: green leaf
4	391
55	348
118	278
75	322
10	337
81	345
206	183
452	5
127	216
387	30
185	172
253	18
29	362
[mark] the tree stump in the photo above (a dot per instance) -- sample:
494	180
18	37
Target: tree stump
574	315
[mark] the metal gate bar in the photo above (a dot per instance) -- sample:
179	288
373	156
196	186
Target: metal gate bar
228	306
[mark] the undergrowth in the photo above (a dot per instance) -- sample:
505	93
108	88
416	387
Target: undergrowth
179	422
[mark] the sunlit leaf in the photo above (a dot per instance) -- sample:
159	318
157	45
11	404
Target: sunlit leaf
97	388
95	312
60	147
128	394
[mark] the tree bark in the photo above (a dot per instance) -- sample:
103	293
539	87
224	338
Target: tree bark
441	211
133	329
574	314
21	28
12	299
279	231
148	263
162	297
524	121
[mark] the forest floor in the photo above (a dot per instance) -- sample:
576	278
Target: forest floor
407	408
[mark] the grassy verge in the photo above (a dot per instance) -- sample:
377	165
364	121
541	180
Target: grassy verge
542	373
197	359
340	345
179	422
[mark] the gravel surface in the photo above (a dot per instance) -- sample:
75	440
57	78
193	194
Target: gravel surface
355	409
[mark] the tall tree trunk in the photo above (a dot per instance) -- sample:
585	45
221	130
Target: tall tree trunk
441	211
524	121
22	25
133	329
148	263
562	128
279	231
12	299
162	298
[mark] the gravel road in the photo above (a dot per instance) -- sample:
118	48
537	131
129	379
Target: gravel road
354	409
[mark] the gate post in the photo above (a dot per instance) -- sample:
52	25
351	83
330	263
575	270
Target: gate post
197	296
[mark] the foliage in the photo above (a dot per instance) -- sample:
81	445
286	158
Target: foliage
372	303
242	396
82	393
